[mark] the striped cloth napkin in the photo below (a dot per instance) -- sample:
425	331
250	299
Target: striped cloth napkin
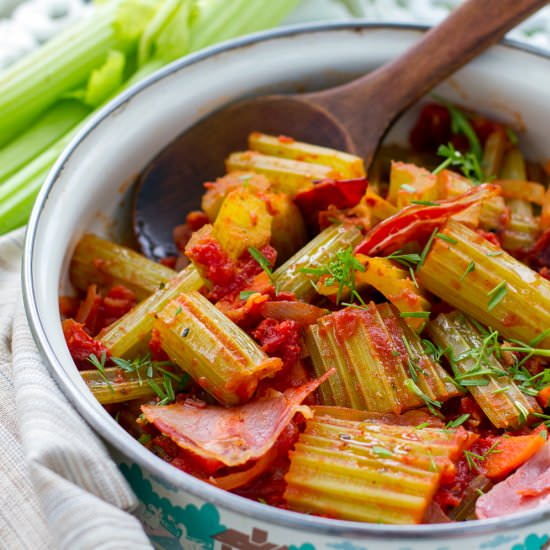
58	486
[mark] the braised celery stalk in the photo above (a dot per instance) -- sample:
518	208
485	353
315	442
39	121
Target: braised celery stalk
477	369
485	282
206	344
131	333
493	153
345	165
522	230
452	185
292	276
242	222
380	364
104	263
394	283
114	386
286	175
529	191
411	183
379	209
466	508
216	191
491	214
288	231
367	471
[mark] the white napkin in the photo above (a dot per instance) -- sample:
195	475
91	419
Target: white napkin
58	486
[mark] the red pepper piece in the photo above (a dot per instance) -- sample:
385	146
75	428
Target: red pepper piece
414	223
338	193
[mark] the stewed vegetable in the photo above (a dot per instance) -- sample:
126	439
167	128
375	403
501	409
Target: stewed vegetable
374	351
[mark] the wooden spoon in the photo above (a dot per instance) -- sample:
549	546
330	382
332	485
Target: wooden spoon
354	116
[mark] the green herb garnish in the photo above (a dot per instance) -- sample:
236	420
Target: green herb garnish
340	271
446	238
496	295
264	264
458	421
414	314
471	267
99	364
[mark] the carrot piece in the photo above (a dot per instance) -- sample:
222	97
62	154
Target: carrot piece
512	452
543	397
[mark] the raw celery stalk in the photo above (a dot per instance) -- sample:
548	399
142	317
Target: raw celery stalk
221	20
64	63
17	193
67	61
54	124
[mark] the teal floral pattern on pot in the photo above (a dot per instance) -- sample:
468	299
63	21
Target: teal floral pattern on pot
200	526
533	542
166	523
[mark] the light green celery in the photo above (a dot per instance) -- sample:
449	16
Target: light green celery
219	20
59	119
67	61
36	82
17	193
105	80
162	19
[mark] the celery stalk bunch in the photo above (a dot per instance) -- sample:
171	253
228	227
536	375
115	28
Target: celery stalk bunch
48	95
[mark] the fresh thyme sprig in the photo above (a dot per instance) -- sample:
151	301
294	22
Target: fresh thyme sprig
461	125
264	264
99	364
473	459
467	162
145	370
432	404
340	271
412	360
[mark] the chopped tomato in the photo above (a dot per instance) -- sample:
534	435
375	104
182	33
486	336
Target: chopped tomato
452	490
68	306
96	312
488	236
279	339
81	345
539	256
116	303
228	277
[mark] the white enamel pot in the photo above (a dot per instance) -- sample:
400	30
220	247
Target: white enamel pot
88	190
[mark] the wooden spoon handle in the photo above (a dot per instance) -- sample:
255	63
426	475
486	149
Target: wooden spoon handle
386	92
